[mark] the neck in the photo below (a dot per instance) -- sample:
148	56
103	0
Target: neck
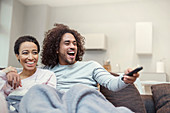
27	73
67	63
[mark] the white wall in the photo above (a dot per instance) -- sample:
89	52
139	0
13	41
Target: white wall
16	30
117	21
30	20
35	22
6	7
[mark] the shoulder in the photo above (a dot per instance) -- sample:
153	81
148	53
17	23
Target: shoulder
45	71
93	62
89	63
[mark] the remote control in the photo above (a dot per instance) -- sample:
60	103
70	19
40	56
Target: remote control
134	71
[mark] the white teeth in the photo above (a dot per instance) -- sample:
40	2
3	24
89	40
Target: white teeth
30	62
71	52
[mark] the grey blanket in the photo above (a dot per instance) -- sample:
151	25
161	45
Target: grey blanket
79	99
13	103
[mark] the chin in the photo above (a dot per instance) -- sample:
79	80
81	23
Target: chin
71	62
30	68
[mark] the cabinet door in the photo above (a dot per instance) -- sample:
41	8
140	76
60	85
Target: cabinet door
95	41
144	38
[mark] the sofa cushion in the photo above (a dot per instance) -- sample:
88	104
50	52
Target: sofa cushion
128	97
149	103
161	96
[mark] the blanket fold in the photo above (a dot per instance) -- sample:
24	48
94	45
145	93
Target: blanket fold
79	99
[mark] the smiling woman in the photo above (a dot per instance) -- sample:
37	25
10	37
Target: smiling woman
28	57
26	50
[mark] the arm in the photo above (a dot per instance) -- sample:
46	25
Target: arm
4	87
109	81
2	79
13	77
130	79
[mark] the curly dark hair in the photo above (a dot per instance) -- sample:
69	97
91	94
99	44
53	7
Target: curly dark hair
51	44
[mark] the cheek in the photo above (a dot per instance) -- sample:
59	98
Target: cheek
62	50
36	57
76	49
22	58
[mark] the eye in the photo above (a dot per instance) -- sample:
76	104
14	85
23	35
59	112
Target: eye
75	43
67	43
24	52
35	52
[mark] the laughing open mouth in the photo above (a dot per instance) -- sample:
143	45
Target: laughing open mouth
71	53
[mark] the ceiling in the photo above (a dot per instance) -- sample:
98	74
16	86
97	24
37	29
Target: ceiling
60	3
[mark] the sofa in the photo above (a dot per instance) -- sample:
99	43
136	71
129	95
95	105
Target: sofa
158	102
130	98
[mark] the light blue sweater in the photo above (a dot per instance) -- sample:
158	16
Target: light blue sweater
88	73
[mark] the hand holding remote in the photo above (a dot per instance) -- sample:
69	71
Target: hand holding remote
134	71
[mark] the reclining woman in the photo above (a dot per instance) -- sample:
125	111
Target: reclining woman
26	49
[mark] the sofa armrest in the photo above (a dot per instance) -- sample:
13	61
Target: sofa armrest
128	97
149	103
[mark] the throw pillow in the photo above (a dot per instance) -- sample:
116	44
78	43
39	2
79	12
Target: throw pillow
128	97
161	96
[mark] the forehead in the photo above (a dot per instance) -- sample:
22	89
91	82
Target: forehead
27	46
68	37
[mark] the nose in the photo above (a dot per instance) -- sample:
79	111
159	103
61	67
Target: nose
30	56
72	45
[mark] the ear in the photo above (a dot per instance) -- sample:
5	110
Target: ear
17	57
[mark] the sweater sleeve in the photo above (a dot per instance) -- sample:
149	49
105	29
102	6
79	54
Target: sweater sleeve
2	79
107	80
4	87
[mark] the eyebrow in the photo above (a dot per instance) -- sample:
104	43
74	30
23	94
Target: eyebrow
24	50
32	50
35	50
67	41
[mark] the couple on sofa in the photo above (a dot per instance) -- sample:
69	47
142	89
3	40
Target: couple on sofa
62	52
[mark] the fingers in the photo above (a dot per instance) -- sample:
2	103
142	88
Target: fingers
128	70
130	79
136	75
15	83
14	80
19	82
9	79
